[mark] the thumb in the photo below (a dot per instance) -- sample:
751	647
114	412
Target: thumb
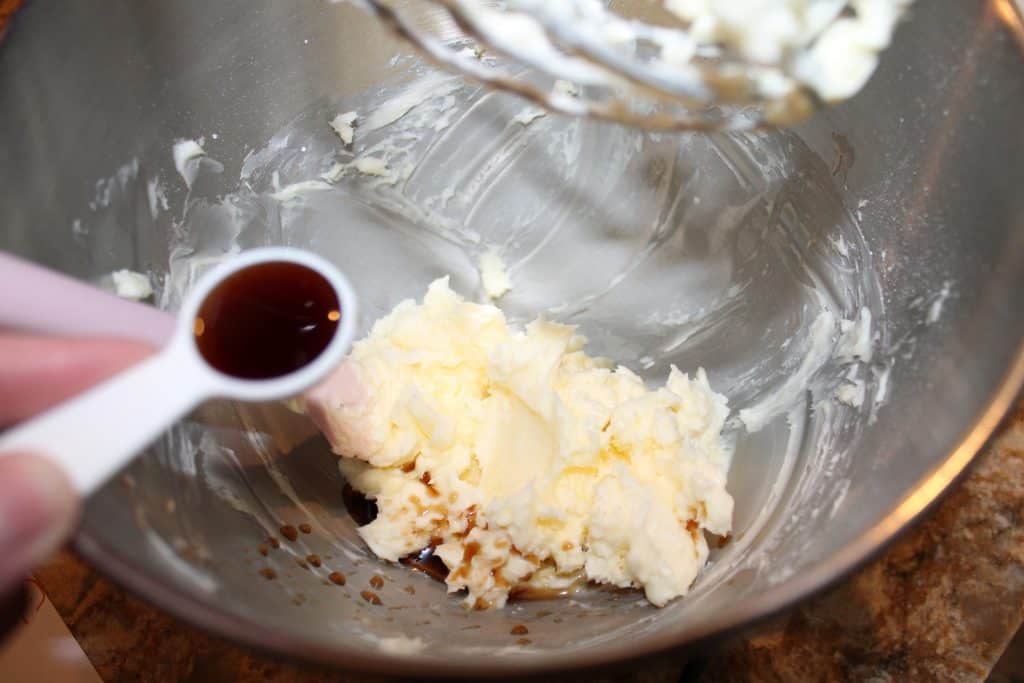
38	509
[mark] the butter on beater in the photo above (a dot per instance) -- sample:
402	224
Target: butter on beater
524	462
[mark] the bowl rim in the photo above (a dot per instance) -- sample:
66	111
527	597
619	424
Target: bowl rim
919	499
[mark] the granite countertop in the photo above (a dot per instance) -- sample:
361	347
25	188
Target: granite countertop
940	604
7	10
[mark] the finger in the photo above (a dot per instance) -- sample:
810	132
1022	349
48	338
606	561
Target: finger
38	509
39	372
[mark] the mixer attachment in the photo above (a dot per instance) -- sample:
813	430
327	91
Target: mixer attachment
659	64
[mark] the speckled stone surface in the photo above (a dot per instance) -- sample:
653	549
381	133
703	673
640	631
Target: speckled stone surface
941	604
7	10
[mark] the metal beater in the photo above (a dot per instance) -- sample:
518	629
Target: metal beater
660	64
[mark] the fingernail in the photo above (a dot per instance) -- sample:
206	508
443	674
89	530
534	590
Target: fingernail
38	508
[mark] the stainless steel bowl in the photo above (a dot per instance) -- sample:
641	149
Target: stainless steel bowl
712	251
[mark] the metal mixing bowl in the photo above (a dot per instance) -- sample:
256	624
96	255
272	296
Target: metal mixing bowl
702	251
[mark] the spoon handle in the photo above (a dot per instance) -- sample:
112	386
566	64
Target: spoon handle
35	299
98	432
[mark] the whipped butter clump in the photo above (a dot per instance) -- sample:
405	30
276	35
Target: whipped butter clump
525	463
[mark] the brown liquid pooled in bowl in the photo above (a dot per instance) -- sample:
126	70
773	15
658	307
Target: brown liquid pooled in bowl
427	562
267	321
530	594
364	511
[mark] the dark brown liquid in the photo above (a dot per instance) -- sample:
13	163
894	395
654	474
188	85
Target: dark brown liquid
267	320
362	509
427	562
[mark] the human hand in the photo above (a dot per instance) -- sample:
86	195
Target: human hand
38	507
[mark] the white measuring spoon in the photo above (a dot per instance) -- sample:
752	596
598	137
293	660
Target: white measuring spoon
95	434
